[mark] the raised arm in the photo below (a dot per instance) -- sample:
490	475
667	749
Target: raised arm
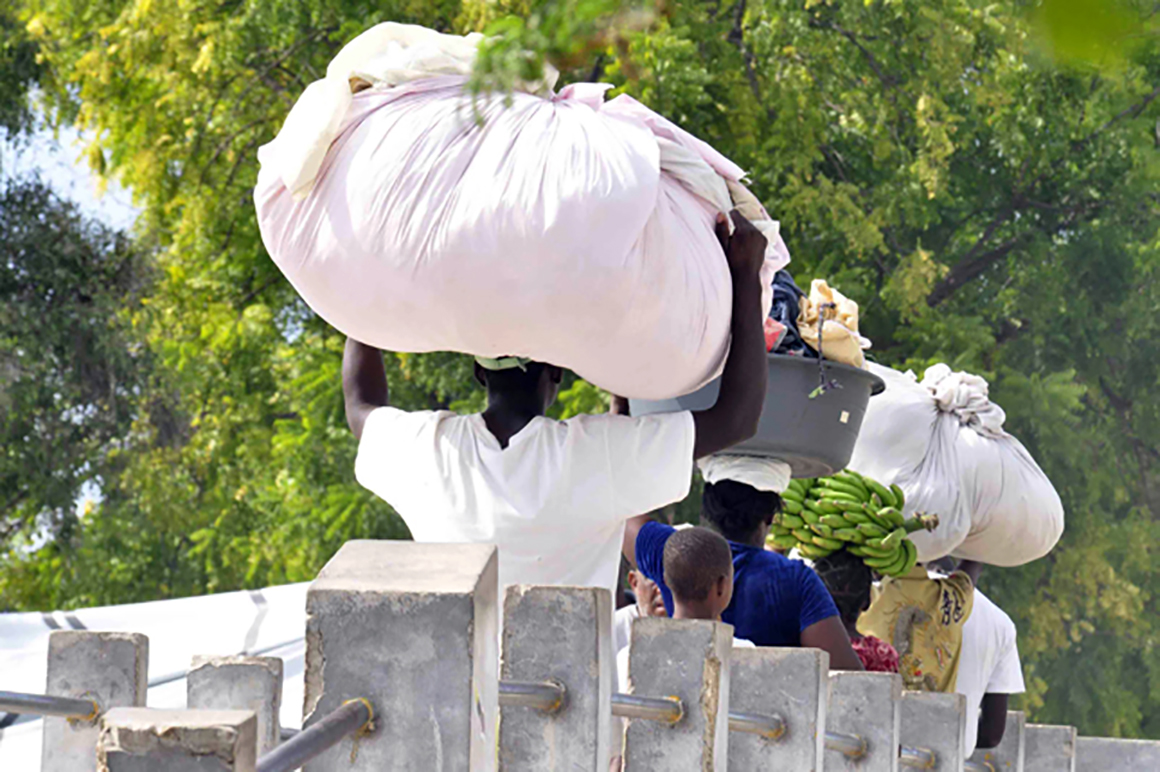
992	720
734	417
971	568
830	635
364	383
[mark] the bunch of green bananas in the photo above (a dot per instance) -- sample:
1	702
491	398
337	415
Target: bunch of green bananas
853	512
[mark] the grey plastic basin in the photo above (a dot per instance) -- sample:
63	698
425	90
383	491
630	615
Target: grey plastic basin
814	436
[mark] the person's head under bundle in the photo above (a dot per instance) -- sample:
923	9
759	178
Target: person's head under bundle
518	390
849	581
518	383
739	512
698	569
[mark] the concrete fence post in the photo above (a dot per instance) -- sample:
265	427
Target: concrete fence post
1104	754
240	683
791	683
561	634
939	722
868	705
1049	748
688	659
110	668
1009	755
412	628
144	740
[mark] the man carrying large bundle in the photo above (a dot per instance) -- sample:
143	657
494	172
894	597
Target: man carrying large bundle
552	495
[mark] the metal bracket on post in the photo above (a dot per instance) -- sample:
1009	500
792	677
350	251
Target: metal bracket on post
849	745
768	726
669	710
548	696
916	758
545	696
354	716
46	705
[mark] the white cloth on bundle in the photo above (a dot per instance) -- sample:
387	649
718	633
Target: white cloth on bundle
416	217
764	474
942	441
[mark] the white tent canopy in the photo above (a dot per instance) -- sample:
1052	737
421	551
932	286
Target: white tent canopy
269	622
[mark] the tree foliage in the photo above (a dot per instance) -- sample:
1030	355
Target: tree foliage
988	205
70	365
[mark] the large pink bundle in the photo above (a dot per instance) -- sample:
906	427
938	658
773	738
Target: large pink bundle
561	227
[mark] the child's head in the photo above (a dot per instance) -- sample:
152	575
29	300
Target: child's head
648	595
698	568
849	581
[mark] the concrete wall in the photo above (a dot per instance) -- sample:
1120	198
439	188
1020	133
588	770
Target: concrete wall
110	668
240	683
791	683
1049	748
144	740
689	659
413	628
1008	755
1105	754
868	705
561	634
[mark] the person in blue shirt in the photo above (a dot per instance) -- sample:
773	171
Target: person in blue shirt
776	601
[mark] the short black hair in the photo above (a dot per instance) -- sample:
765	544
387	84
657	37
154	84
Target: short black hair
736	509
694	559
514	380
849	580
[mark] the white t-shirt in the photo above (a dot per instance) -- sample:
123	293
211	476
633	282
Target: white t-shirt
554	501
622	661
989	661
622	625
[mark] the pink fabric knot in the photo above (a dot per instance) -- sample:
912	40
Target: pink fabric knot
590	94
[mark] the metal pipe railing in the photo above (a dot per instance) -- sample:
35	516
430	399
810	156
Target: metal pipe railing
354	716
771	727
916	758
547	696
45	705
849	745
978	766
667	709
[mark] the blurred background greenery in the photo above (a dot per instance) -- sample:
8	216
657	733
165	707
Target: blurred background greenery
980	177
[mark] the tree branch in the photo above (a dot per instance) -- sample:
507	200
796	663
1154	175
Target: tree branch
969	268
737	38
888	80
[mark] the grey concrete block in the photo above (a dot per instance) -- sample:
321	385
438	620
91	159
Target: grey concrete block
791	683
144	740
240	683
111	668
1104	754
689	659
1049	748
412	628
868	705
1009	754
562	634
937	722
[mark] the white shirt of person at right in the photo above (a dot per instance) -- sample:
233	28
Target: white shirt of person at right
988	661
622	662
622	625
